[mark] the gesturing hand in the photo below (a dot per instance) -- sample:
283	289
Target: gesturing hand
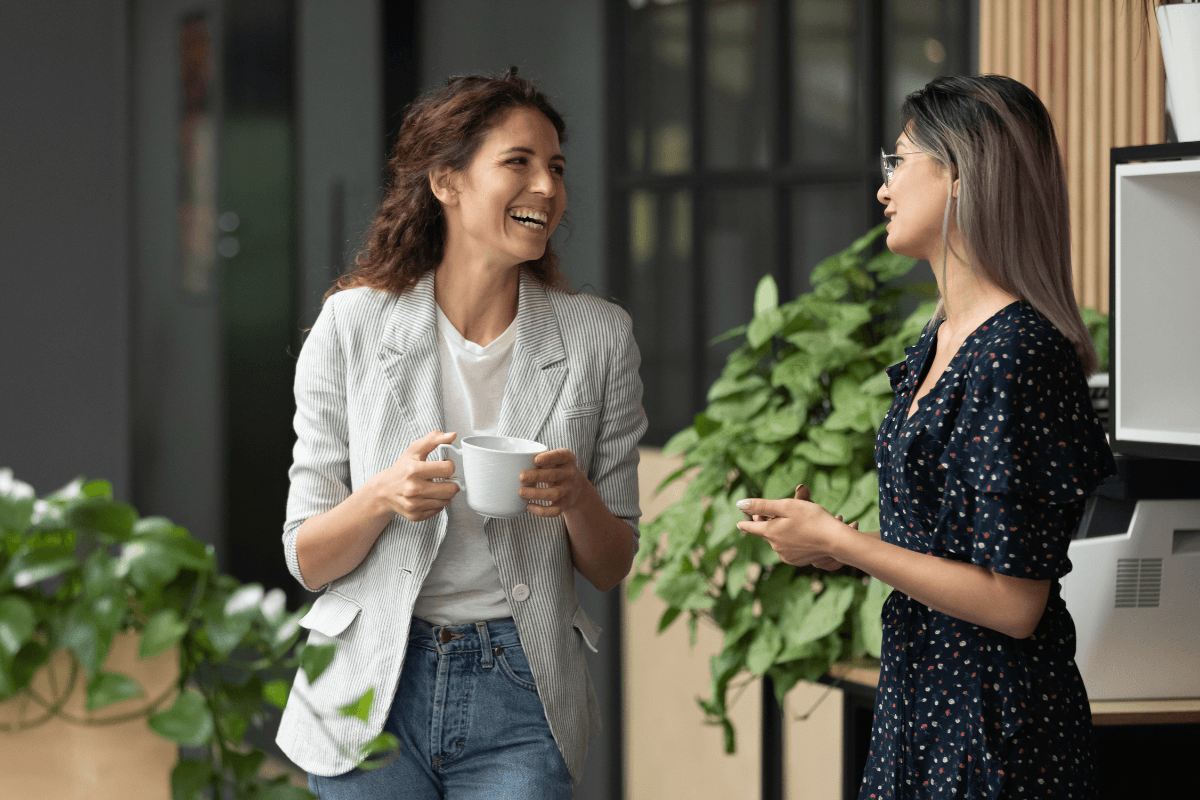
563	483
408	487
761	511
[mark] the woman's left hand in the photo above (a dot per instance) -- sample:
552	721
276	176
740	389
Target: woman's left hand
564	483
801	532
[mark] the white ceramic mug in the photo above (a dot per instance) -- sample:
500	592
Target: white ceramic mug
488	469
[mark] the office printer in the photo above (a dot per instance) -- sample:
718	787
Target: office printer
1134	590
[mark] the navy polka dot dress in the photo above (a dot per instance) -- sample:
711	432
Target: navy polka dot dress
991	469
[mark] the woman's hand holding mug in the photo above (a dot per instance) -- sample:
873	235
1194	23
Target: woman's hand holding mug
413	487
563	483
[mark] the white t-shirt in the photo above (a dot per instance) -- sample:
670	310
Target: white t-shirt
463	585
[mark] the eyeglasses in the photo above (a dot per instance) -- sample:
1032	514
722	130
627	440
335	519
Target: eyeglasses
888	163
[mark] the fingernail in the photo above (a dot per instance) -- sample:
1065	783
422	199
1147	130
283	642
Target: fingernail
743	504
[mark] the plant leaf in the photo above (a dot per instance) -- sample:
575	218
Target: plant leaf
224	633
766	295
869	614
32	565
104	516
828	611
669	616
634	588
684	440
864	493
163	631
361	707
276	693
107	688
82	635
877	384
246	598
764	326
189	779
766	645
378	752
17	621
245	765
684	591
188	721
316	658
285	791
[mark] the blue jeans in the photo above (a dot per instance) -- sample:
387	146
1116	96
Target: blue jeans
469	721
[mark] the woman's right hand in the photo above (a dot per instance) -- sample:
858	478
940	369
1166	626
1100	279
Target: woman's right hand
408	487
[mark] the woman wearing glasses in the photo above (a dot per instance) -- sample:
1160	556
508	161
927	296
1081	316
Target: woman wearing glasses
985	459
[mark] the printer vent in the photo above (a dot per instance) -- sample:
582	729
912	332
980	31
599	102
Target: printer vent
1139	582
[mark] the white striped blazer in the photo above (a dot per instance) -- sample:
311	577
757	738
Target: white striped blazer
367	385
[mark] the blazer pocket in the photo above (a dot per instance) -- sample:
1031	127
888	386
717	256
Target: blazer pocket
331	614
588	629
581	411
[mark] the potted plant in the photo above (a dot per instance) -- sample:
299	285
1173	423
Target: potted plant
78	568
799	401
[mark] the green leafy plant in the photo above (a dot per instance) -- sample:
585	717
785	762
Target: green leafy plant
78	567
799	401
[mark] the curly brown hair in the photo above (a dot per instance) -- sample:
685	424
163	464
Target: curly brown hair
442	129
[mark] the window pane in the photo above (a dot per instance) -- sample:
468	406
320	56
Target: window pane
825	119
825	220
929	38
658	107
739	62
660	301
738	250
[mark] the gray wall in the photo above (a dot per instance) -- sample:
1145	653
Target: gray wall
560	45
64	311
176	345
340	119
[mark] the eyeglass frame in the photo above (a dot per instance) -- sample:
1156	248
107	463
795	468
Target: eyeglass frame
890	172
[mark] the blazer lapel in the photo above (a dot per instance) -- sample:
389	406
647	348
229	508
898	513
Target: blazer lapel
538	366
408	355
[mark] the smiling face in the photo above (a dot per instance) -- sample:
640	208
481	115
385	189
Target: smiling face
916	200
503	207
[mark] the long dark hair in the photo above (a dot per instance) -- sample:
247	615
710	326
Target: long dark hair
443	129
998	139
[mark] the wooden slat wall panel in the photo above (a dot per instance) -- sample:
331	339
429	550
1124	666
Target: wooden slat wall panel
1099	71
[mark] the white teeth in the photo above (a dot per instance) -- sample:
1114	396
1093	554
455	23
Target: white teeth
530	217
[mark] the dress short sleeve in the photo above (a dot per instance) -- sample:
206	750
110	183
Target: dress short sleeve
1026	425
1025	451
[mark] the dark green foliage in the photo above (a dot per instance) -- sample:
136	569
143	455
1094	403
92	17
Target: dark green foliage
77	568
799	401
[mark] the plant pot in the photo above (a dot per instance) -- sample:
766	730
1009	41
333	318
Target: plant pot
1179	30
68	761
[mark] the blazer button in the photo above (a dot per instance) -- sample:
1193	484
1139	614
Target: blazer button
520	592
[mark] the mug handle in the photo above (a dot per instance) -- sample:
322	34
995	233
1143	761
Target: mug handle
453	454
